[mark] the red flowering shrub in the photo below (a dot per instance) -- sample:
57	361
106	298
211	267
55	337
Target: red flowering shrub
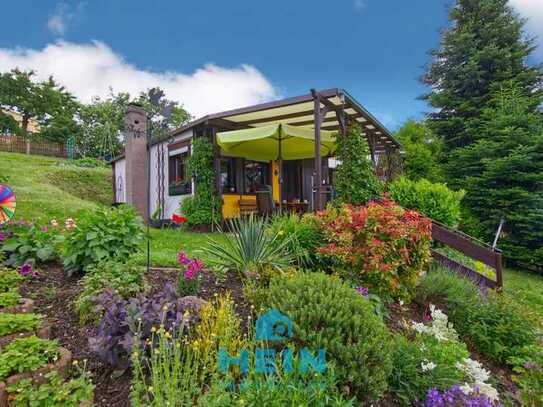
380	246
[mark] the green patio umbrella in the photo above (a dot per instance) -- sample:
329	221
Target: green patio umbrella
275	142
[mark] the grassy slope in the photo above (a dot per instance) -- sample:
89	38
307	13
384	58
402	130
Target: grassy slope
49	188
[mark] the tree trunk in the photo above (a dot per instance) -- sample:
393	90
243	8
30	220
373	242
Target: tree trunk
24	125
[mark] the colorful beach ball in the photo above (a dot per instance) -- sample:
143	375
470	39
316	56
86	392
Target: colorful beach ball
7	203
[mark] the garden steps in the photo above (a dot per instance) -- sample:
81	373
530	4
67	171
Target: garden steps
38	376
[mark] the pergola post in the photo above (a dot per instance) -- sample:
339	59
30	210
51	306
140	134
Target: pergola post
318	159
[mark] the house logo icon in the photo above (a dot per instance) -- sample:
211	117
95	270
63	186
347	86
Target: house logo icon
273	326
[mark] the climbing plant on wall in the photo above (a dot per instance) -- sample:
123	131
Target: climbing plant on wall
355	180
204	207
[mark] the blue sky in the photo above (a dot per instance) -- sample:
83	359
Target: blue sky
213	55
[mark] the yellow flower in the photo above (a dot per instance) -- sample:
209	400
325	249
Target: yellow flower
135	354
281	233
153	329
150	388
75	362
165	308
168	335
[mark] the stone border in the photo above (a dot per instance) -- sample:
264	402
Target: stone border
43	332
38	376
26	307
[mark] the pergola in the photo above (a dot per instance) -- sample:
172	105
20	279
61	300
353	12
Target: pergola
331	109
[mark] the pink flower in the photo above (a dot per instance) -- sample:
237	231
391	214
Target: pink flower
190	272
182	258
26	269
44	229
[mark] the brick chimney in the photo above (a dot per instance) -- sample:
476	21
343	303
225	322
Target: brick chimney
135	132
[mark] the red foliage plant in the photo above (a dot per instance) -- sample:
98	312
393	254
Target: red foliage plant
380	246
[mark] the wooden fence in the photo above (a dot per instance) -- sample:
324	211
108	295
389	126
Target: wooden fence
470	247
17	144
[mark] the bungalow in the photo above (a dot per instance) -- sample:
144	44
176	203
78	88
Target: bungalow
300	184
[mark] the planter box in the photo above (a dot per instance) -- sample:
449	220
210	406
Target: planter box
25	306
179	189
61	366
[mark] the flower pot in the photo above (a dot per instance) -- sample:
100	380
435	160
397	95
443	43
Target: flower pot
38	376
26	305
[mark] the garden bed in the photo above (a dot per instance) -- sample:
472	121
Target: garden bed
54	294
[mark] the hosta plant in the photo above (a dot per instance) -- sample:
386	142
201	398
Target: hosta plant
380	246
9	299
103	235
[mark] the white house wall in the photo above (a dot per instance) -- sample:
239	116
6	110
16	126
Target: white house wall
171	203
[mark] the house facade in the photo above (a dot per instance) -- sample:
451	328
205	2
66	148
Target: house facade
305	184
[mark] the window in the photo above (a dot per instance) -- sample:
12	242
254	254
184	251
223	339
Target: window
255	174
228	175
178	181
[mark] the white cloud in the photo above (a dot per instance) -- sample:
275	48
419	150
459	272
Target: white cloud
63	17
359	5
90	69
533	11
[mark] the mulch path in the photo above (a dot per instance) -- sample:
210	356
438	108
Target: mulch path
54	294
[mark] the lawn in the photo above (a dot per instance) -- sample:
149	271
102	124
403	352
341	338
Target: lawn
49	188
525	288
165	243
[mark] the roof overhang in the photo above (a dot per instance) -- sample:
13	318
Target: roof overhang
299	111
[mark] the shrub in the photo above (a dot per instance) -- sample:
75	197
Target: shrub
54	392
123	319
127	279
12	323
26	354
301	235
380	246
89	162
326	313
422	364
249	249
354	178
105	234
9	299
32	244
491	324
434	200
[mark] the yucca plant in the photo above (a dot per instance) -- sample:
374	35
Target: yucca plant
249	249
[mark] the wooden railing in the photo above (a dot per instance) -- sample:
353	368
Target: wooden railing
472	248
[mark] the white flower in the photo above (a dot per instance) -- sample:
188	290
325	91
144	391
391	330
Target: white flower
478	376
440	327
425	365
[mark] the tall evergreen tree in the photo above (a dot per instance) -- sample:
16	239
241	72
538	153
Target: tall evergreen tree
503	173
483	48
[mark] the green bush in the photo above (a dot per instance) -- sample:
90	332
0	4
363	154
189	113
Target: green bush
14	323
301	235
528	368
128	279
89	162
409	381
328	314
489	323
104	234
26	354
9	299
54	392
434	200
